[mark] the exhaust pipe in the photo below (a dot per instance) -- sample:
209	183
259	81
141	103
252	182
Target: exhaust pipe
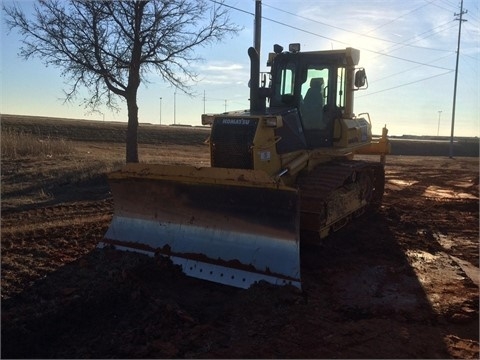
257	104
257	101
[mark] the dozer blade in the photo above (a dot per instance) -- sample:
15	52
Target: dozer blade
229	226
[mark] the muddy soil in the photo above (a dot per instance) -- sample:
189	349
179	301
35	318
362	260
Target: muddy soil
399	283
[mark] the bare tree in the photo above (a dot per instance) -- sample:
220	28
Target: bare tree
108	47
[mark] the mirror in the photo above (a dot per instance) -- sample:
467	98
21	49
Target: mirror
360	78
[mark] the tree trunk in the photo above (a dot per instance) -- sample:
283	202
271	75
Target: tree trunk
132	130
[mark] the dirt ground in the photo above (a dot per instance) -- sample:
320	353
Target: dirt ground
401	283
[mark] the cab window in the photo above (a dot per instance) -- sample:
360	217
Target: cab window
285	85
287	81
340	95
315	73
314	93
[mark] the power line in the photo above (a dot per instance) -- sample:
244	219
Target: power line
450	3
399	17
350	31
410	83
373	37
441	7
331	39
407	70
393	48
372	51
407	60
232	7
471	57
369	50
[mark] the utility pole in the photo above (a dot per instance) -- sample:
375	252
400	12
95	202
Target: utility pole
460	15
204	99
225	105
438	128
160	111
175	107
257	35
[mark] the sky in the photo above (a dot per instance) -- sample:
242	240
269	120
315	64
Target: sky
408	49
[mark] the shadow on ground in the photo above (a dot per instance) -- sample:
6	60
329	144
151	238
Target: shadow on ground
360	299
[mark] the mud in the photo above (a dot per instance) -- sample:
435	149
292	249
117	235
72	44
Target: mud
399	283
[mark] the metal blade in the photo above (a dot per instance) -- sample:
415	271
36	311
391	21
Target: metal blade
231	226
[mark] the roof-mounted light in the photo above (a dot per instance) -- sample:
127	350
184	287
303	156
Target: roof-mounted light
294	48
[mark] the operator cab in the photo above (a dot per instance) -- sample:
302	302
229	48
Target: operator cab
313	83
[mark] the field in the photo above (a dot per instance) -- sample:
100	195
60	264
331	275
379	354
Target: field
400	283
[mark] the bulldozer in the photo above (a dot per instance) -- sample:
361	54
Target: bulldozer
277	172
281	169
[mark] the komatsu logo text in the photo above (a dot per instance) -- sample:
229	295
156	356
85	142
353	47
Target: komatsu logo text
236	121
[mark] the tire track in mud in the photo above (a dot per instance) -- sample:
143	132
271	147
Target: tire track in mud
77	212
39	241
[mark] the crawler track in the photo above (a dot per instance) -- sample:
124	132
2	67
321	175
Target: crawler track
331	195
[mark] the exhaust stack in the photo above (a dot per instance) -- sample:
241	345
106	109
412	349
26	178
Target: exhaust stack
257	101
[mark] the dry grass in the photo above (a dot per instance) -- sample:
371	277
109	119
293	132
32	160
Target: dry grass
18	144
44	161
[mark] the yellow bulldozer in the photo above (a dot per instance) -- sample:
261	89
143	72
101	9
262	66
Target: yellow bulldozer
277	172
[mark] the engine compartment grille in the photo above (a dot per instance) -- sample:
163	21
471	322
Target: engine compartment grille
232	142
